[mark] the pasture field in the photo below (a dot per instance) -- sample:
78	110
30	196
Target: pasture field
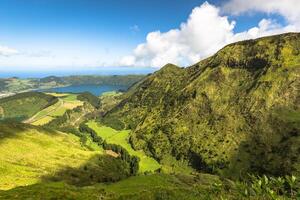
113	136
65	102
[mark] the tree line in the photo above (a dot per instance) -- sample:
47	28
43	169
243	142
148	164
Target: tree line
124	154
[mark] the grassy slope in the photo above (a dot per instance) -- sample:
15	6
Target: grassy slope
28	153
66	101
223	112
25	105
121	138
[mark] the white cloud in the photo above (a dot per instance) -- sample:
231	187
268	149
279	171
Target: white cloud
265	27
205	32
290	9
6	51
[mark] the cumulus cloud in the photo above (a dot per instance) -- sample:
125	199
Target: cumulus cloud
6	51
204	32
290	9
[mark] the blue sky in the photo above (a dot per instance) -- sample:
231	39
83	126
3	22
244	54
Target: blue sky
89	34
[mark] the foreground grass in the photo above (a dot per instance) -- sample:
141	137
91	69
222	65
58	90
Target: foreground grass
121	138
156	186
28	154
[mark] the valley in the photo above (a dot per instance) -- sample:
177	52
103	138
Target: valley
226	127
111	136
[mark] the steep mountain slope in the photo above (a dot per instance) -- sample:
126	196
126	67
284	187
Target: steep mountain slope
224	112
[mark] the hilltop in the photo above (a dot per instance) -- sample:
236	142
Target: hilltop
224	112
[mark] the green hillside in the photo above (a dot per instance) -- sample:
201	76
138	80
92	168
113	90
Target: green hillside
66	102
32	155
24	105
224	112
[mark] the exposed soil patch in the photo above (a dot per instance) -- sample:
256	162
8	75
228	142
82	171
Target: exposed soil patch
112	153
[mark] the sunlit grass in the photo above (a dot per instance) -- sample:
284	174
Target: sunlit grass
31	154
66	102
113	136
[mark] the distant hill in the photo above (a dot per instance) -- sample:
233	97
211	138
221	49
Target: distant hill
16	85
124	80
48	79
235	112
24	105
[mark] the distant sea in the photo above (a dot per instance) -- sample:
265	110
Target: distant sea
100	71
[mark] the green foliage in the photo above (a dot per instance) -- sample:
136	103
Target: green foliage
98	169
83	128
269	187
90	98
125	156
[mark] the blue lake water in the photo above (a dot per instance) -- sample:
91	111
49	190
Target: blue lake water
94	89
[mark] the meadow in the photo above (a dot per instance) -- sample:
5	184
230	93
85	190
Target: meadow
112	136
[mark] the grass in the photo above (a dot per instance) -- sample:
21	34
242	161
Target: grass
44	120
66	102
111	93
28	154
156	186
24	105
121	138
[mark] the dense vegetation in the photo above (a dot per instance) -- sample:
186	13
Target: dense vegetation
133	161
24	105
90	98
224	112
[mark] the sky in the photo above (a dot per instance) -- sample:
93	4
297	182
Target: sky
41	35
